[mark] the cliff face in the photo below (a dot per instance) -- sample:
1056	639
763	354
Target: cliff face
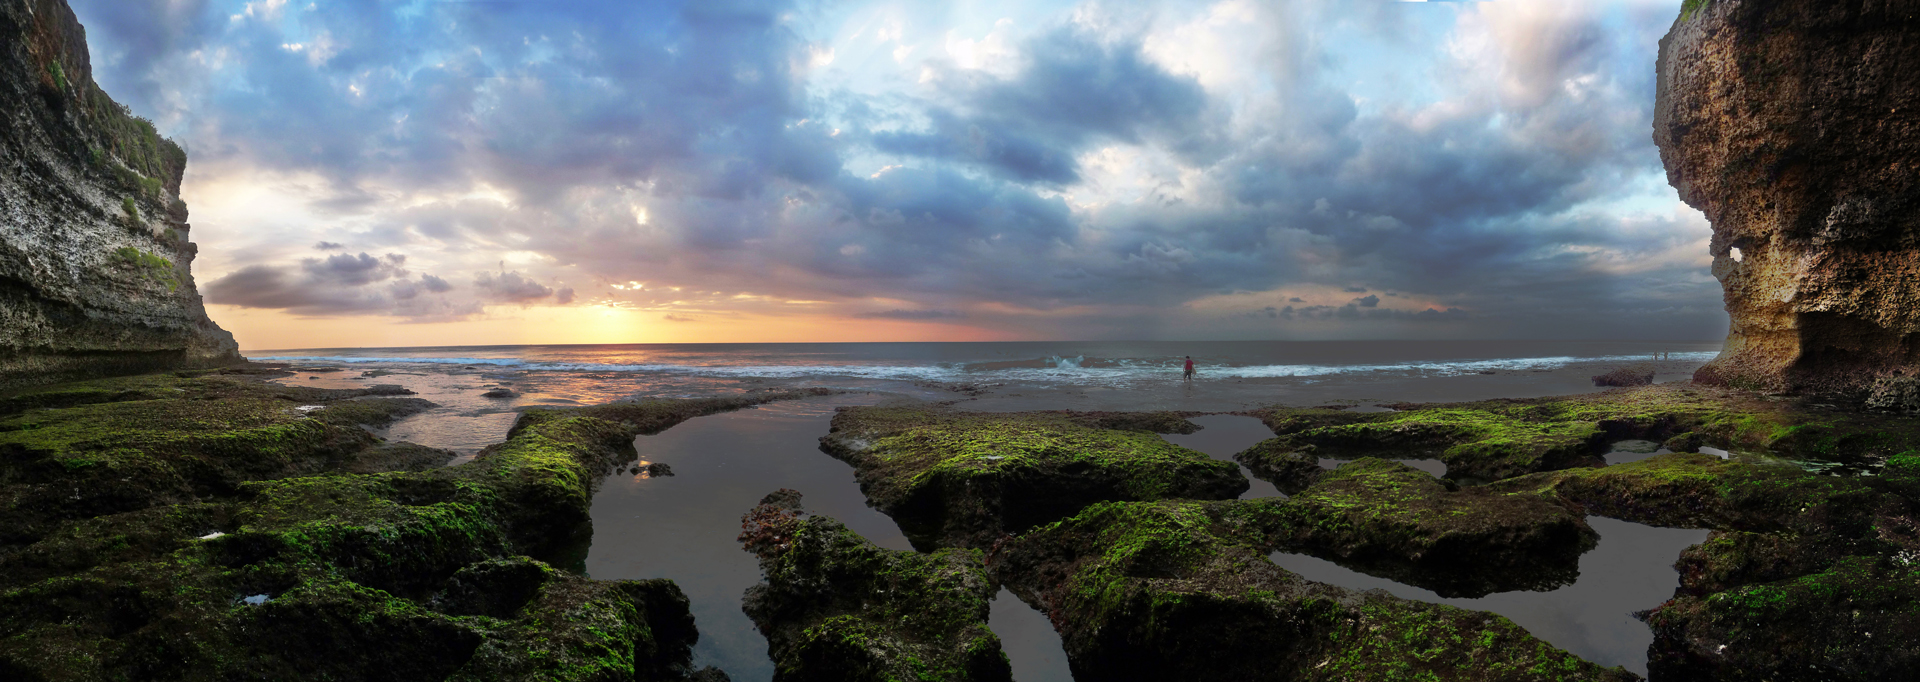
1794	125
94	256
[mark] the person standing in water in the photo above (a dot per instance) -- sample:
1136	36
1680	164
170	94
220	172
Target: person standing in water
1189	373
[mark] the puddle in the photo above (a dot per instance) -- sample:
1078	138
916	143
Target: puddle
1221	436
1634	451
683	526
1029	640
1630	570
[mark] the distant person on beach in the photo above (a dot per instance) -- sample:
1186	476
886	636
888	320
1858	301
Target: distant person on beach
1189	374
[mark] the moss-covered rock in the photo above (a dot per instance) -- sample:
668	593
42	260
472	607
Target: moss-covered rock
1392	520
836	608
1184	590
968	479
1805	577
1497	439
1857	619
1288	467
208	527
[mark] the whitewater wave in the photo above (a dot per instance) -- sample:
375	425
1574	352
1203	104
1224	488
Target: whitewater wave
1052	369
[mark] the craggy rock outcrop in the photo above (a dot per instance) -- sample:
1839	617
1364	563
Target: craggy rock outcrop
1184	590
1794	125
94	250
208	527
964	479
1398	522
835	608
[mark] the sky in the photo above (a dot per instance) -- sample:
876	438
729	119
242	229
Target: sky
443	172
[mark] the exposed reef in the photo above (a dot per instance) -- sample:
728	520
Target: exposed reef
1398	522
1794	125
1497	439
209	526
835	608
1184	590
964	479
1807	575
95	256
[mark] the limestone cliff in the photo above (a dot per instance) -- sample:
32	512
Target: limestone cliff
1794	125
94	250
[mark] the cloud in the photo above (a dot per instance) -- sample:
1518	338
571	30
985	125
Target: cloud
511	287
1098	163
912	315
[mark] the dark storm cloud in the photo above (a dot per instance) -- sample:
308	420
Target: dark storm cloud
700	116
1076	90
337	286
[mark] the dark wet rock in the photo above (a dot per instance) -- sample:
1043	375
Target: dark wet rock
502	392
397	456
1685	442
1793	125
371	411
1392	520
658	469
168	527
1184	590
1858	619
967	479
1278	461
834	607
1625	376
1897	394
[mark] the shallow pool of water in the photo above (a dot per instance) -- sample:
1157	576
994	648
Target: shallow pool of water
1630	570
1221	436
682	527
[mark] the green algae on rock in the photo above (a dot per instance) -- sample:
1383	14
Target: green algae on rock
1497	439
1184	590
1392	520
967	479
219	532
1805	576
836	608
